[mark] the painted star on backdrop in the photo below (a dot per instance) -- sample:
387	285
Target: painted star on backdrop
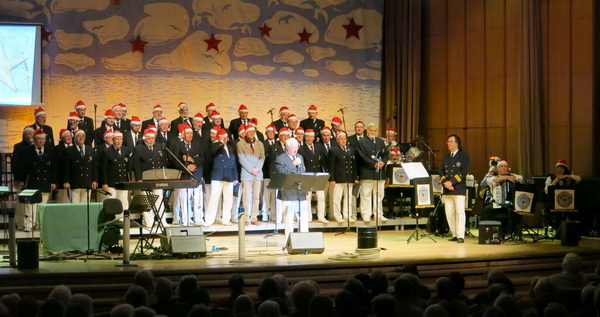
138	45
304	36
265	30
352	29
6	65
212	43
46	35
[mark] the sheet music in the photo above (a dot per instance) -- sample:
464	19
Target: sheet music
415	170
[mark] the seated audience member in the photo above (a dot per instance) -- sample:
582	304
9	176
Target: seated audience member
345	304
436	310
459	285
145	279
587	302
50	308
544	293
85	301
555	310
447	296
570	277
357	289
76	310
136	296
27	306
11	301
424	292
122	310
379	283
236	285
321	306
199	310
416	296
267	289
302	293
268	308
283	286
403	293
186	288
62	293
508	304
143	311
383	305
243	305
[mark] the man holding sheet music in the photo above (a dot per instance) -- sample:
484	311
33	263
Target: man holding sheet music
455	166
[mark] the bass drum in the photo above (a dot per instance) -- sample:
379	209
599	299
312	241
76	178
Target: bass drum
413	155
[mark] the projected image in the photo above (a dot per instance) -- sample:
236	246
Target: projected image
17	60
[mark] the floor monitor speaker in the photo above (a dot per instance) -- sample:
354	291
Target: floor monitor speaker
305	242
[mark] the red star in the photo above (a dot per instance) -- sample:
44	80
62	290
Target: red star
117	2
138	45
265	30
213	43
46	35
352	29
304	36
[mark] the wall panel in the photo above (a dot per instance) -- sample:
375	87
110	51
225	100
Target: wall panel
456	104
476	103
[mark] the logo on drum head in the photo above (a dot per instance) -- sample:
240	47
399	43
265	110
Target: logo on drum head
423	195
564	199
523	201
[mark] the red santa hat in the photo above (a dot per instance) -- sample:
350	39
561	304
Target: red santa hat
117	107
284	109
157	108
108	133
79	131
562	162
149	132
117	133
198	117
299	130
326	129
215	129
210	107
493	159
39	133
292	117
163	119
215	115
395	150
183	127
250	127
73	115
135	120
341	132
27	128
80	105
284	130
242	108
336	121
123	106
151	127
309	132
221	132
391	130
38	112
109	114
181	105
270	127
504	161
63	132
312	108
253	121
241	128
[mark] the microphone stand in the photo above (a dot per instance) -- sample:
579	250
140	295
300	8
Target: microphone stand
271	113
348	193
95	115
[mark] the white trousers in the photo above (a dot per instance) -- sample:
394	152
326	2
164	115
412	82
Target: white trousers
371	191
148	216
290	209
30	220
320	204
191	204
218	190
455	214
78	195
268	201
62	196
251	196
237	200
341	198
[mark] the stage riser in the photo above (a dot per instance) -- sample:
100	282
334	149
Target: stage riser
107	288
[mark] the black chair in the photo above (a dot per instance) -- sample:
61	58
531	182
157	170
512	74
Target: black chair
111	232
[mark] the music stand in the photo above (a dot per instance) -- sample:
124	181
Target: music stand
139	204
422	197
562	202
276	183
160	174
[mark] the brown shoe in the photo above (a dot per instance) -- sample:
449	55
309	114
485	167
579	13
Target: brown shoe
246	222
255	222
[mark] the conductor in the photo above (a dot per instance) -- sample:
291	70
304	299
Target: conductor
291	162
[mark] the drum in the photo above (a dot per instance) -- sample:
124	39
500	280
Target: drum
367	237
412	154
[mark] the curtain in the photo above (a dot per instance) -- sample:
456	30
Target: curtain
531	156
401	78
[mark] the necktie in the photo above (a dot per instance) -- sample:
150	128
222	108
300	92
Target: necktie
188	147
118	124
252	146
81	151
451	154
150	148
135	138
40	153
119	151
327	147
165	136
312	149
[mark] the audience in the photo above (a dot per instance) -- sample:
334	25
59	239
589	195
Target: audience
361	296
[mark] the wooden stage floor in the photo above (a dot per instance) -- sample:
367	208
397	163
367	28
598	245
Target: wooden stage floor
267	252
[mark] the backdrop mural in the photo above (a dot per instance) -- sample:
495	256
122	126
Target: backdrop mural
262	53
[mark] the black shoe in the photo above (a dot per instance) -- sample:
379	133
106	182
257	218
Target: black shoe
453	239
461	240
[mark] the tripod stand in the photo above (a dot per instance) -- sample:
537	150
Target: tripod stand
418	234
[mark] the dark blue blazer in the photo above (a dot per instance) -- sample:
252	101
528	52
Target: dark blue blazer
224	167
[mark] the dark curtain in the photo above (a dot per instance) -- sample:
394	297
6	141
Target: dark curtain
401	77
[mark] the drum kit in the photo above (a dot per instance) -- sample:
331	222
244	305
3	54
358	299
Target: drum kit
418	150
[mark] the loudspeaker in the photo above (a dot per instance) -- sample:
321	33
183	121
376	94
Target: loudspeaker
490	232
30	196
305	242
186	240
569	235
28	254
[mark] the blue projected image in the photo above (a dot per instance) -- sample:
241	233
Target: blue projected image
17	64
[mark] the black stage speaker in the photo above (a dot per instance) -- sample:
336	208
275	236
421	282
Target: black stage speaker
490	232
305	242
30	196
569	235
28	256
186	240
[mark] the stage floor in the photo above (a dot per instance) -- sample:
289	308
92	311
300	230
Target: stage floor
268	252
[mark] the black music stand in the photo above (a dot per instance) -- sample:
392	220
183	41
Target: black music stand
561	202
276	183
422	197
140	204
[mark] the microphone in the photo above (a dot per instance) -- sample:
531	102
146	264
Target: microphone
271	110
103	192
342	109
